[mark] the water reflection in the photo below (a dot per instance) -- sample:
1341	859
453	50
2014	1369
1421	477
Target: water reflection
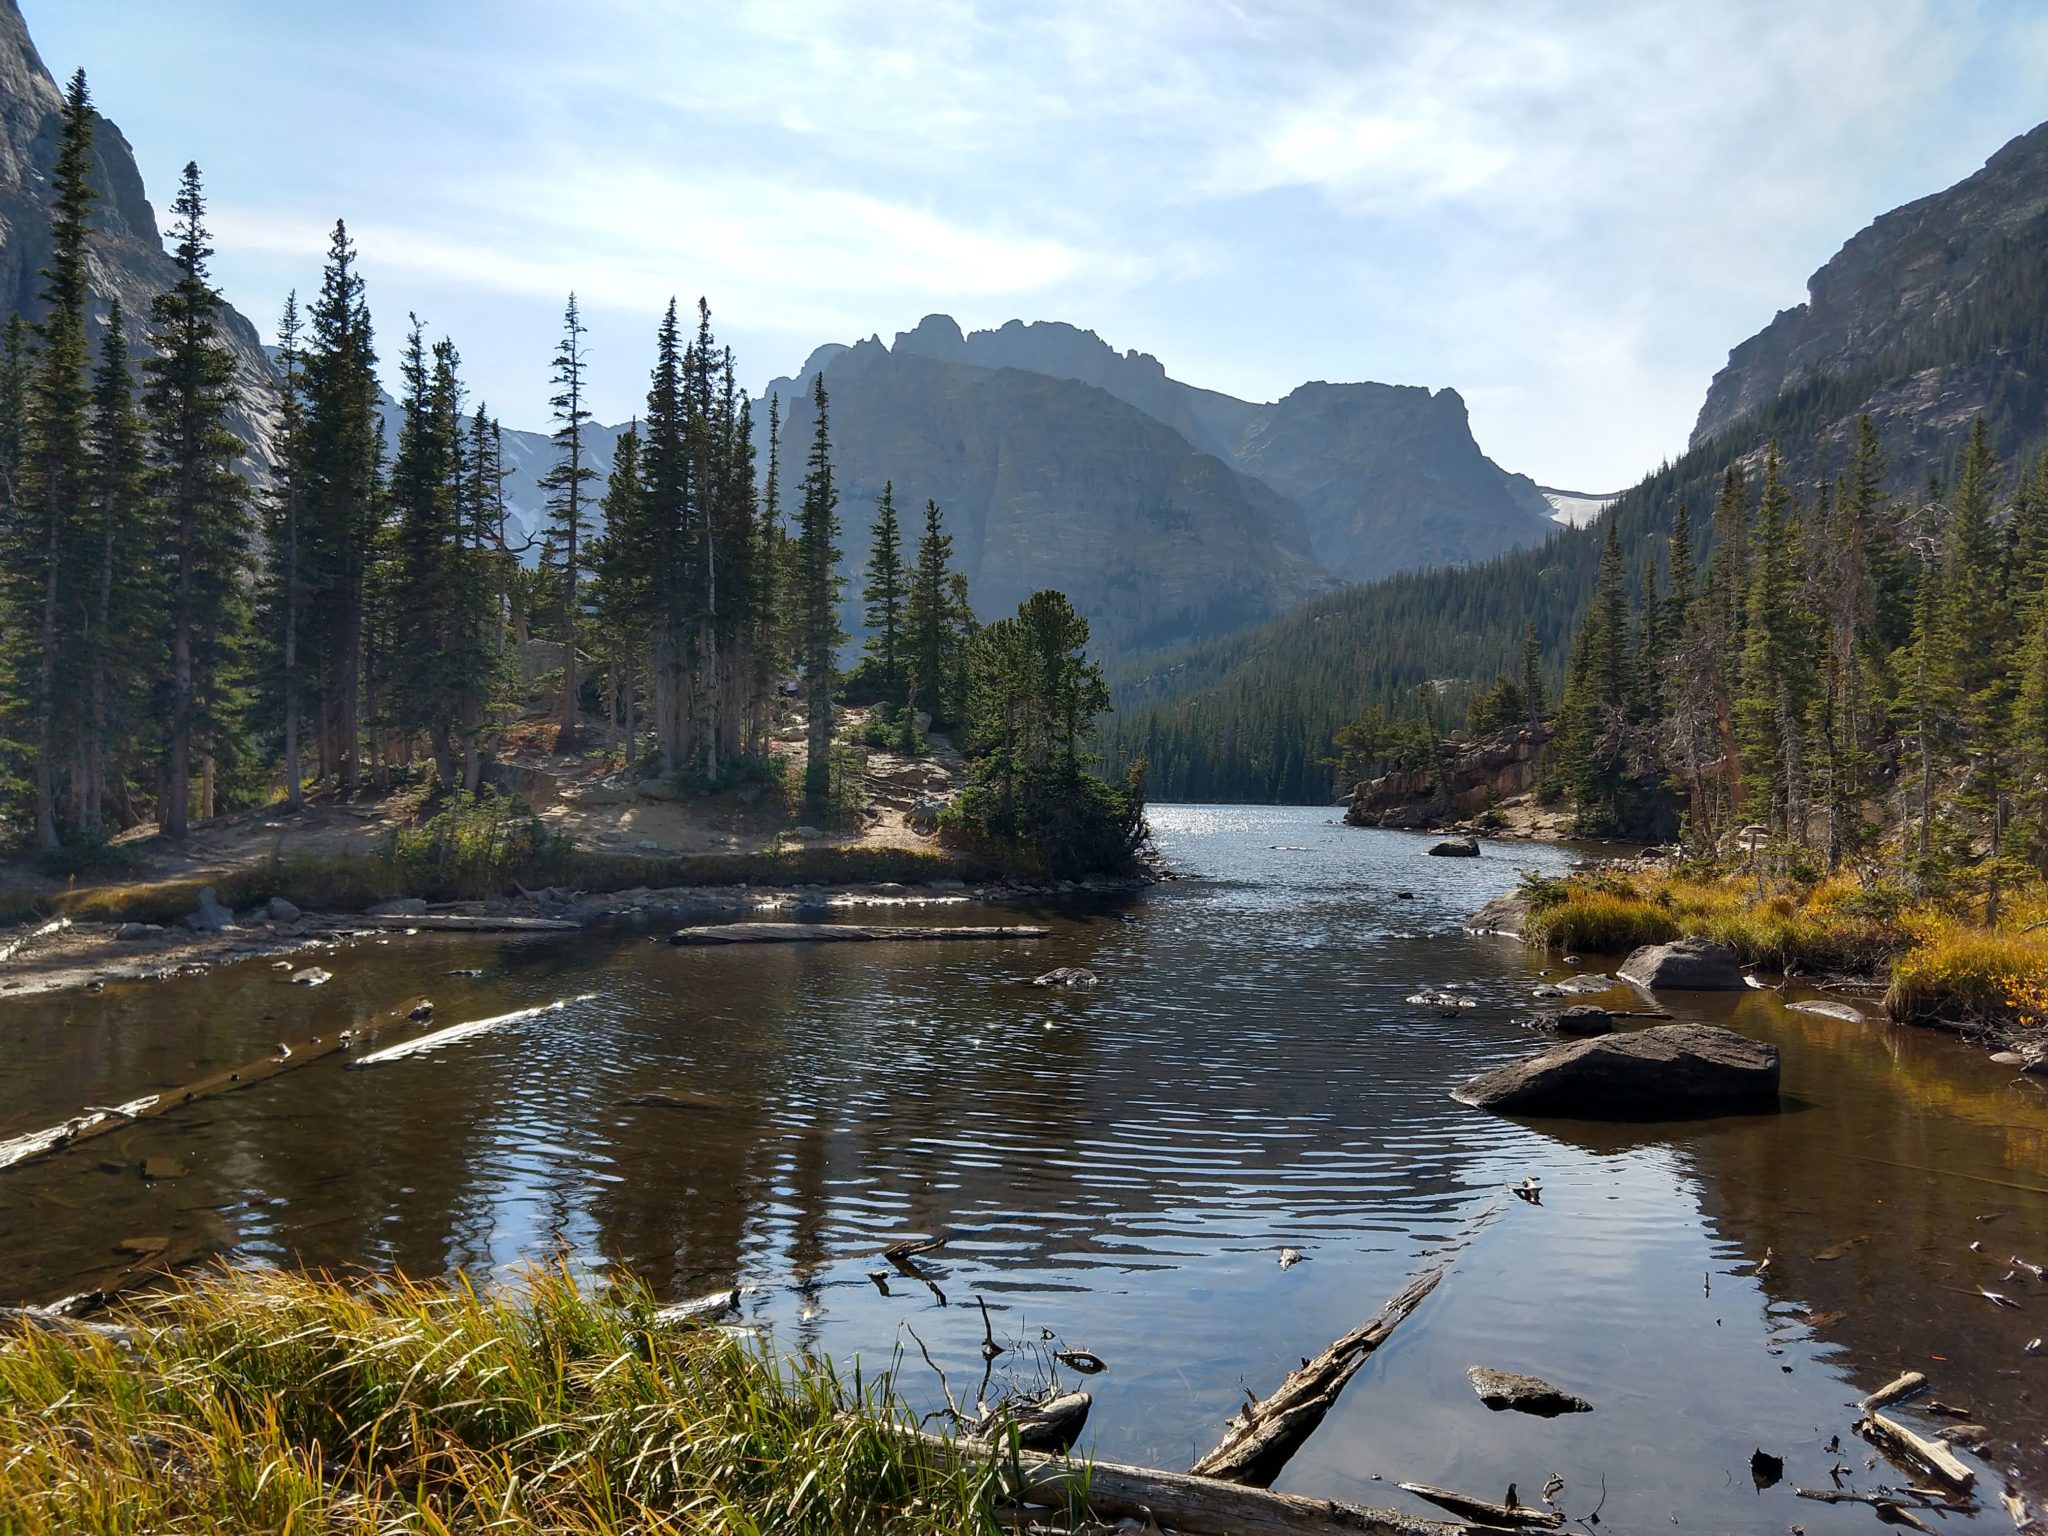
1122	1166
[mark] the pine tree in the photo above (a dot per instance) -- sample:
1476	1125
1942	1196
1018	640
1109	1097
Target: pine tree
1532	676
567	485
204	508
665	480
884	596
621	591
817	601
44	564
343	460
929	627
118	655
283	589
1777	672
1984	618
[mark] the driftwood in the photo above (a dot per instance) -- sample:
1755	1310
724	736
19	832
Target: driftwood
97	1120
1485	1511
454	1032
1187	1503
1899	1386
840	933
1051	1424
1266	1433
1892	1437
461	922
20	942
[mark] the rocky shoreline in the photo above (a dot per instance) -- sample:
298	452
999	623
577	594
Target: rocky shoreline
65	955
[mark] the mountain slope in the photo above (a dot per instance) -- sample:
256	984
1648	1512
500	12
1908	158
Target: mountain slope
1050	482
1388	477
1246	716
128	258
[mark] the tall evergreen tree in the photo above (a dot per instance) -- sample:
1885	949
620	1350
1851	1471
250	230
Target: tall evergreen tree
884	594
283	587
343	462
204	504
118	654
567	484
1532	675
44	563
1777	681
817	601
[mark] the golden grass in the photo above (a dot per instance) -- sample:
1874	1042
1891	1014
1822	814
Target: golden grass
271	1402
1942	967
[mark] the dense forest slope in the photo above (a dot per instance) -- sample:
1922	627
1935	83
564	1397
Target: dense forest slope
1936	313
129	263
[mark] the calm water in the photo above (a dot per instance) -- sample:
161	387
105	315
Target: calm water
1123	1168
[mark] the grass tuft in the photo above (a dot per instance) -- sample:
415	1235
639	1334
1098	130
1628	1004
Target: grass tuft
262	1401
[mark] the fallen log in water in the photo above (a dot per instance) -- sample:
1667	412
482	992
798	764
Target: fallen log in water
1180	1500
97	1120
1899	1386
840	933
1266	1433
1892	1437
461	922
1485	1511
454	1032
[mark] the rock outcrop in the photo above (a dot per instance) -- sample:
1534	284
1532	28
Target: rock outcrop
1047	482
1685	965
128	258
1503	1390
1673	1071
1880	312
1475	775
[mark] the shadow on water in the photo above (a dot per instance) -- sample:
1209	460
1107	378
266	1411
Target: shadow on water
1123	1166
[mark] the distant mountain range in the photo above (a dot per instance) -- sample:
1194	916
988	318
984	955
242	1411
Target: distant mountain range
1933	314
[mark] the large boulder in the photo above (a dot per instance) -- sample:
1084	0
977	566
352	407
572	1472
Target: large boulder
1456	848
1685	965
1669	1072
1576	1023
1501	1390
211	917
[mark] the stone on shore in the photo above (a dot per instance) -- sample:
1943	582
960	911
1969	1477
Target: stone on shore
1456	848
278	910
1685	965
1672	1071
1502	915
1501	1390
211	917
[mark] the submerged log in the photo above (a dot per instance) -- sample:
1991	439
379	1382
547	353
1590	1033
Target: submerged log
1485	1511
97	1120
462	922
841	933
1266	1433
1053	1424
1111	1491
454	1032
1892	1437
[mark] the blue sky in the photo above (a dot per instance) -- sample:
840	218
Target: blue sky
1568	212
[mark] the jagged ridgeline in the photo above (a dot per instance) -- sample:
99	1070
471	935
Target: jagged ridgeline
1934	314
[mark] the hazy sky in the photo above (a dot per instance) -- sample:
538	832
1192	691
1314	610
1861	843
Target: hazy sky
1567	211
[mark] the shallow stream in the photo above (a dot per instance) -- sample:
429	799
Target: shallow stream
1125	1168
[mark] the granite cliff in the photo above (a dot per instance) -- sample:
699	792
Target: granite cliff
1049	482
1930	314
128	259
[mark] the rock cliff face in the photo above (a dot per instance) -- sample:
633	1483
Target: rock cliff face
1476	775
1891	303
1047	482
128	258
1387	478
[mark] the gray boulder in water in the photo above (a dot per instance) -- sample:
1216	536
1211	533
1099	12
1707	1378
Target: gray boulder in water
1685	965
1067	976
1673	1071
1578	1023
1501	1390
1456	848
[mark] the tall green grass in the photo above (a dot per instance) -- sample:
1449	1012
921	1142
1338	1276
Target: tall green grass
272	1402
